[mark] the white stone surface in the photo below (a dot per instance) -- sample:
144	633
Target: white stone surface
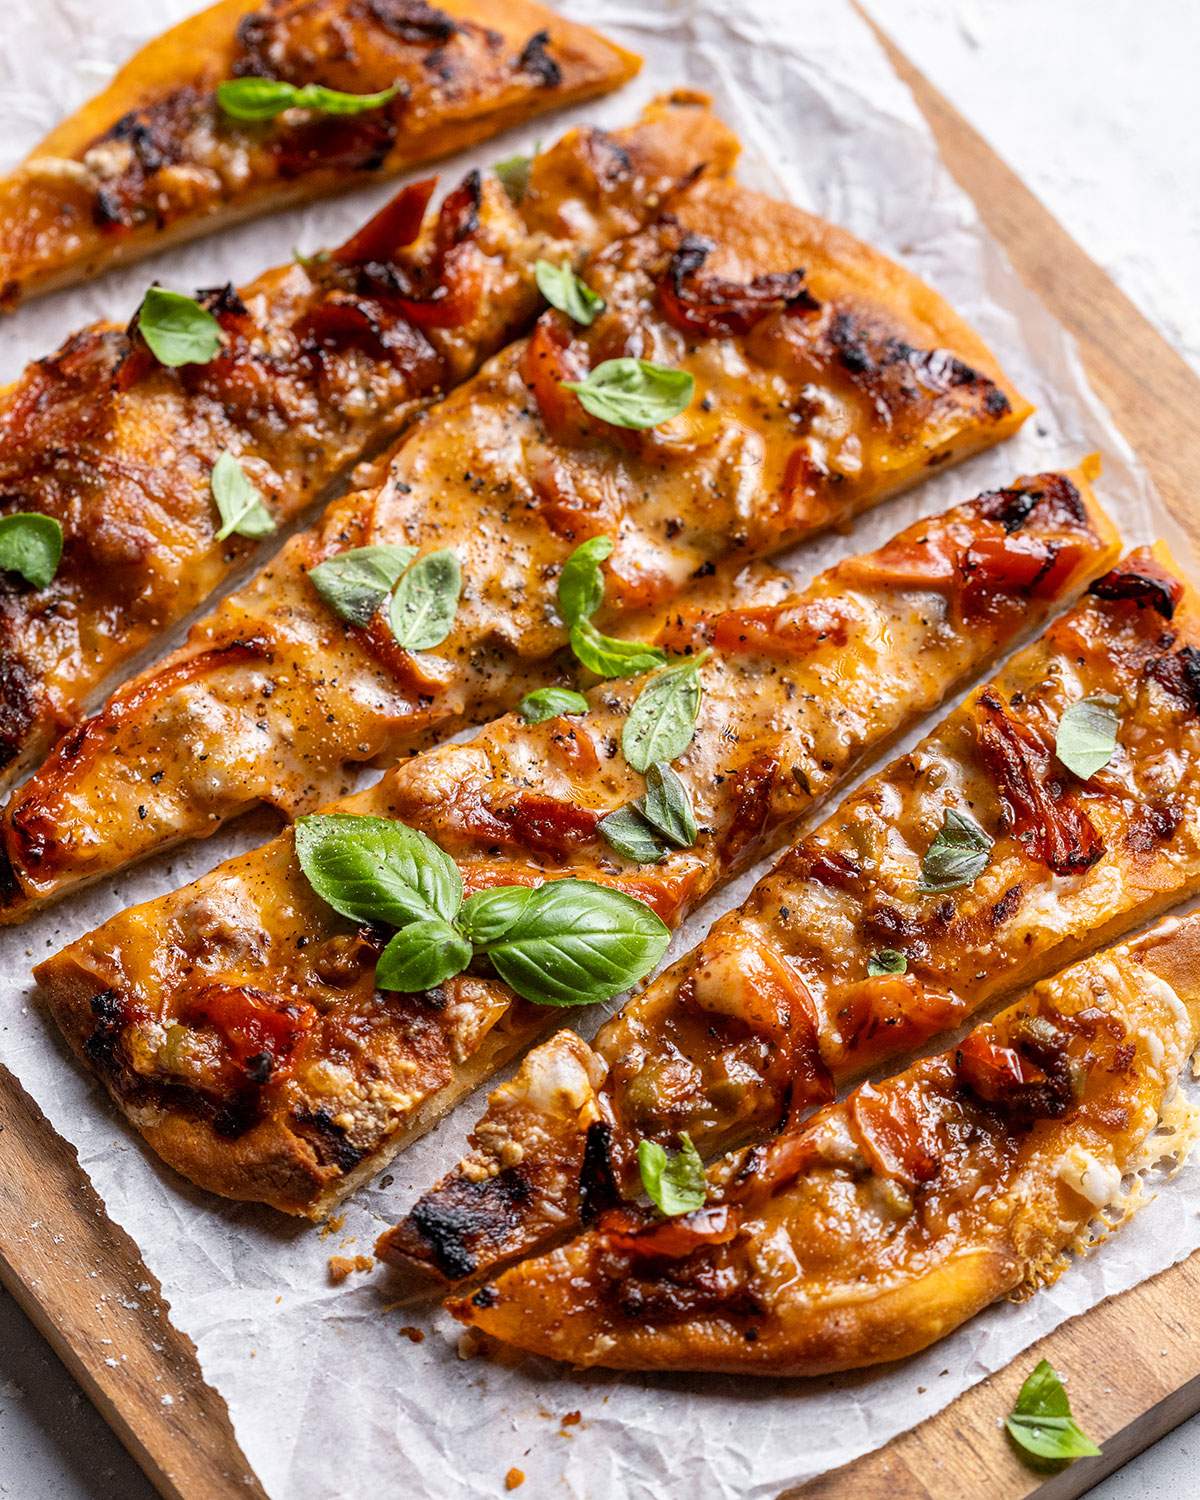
1095	106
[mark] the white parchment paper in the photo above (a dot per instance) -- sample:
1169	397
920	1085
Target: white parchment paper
328	1397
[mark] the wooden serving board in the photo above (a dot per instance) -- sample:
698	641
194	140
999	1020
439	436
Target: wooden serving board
1134	1361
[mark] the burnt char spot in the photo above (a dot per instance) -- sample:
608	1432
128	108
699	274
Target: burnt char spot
1055	498
995	402
463	1214
18	705
1152	824
1011	508
1161	593
598	1189
330	1144
486	1296
851	346
222	299
1007	907
102	1047
412	20
537	62
1180	675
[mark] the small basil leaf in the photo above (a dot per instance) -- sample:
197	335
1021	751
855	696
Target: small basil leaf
549	702
177	329
581	583
577	943
239	503
1087	734
608	657
958	854
663	719
675	1181
633	392
667	806
632	836
487	916
425	602
31	544
264	98
563	289
513	172
1041	1423
887	961
377	869
422	955
355	583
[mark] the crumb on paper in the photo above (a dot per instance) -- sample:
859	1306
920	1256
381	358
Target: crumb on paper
341	1266
469	1344
413	1335
333	1226
514	1478
572	1419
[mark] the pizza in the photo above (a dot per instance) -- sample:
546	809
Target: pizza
242	110
306	370
238	1022
889	1218
973	865
822	376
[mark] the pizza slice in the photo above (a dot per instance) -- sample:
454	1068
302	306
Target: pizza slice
806	395
242	110
895	1215
246	1027
1056	808
138	449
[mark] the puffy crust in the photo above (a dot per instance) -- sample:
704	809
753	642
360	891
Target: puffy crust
151	161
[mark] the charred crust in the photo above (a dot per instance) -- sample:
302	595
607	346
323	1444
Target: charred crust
463	1214
538	63
1157	591
328	1139
1054	497
1179	674
598	1191
413	21
102	1046
1011	508
18	703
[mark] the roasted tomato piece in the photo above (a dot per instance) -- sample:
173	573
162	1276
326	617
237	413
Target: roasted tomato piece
1147	585
1001	568
260	1030
897	1132
1034	802
644	1238
548	360
899	1005
716	308
396	224
782	630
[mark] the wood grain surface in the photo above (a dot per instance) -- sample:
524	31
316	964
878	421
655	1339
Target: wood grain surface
1133	1361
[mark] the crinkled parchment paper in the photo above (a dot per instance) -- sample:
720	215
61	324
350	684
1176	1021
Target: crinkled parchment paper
327	1396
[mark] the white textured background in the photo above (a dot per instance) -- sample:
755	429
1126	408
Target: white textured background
1095	106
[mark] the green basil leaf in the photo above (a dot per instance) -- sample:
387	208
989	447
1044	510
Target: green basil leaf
663	719
487	916
31	544
887	961
1041	1423
581	583
177	329
377	869
355	583
513	172
422	955
675	1181
1087	734
425	601
609	657
240	505
264	98
959	853
667	806
563	289
549	702
632	836
576	943
634	392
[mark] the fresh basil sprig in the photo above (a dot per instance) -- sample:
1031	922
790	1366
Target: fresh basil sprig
548	702
663	719
177	330
31	544
569	293
239	503
1087	734
264	98
675	1181
887	961
426	601
513	172
634	393
580	594
959	852
1041	1423
355	583
569	942
661	820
